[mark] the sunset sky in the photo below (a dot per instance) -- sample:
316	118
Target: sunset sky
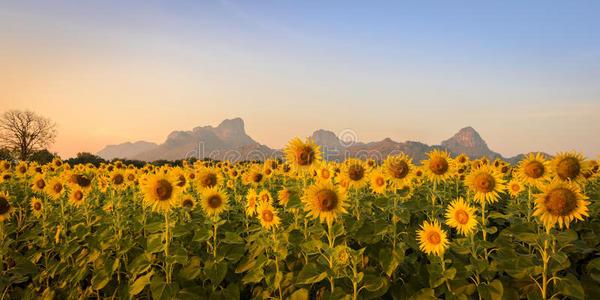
525	75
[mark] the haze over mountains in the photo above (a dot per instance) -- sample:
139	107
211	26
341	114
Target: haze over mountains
229	141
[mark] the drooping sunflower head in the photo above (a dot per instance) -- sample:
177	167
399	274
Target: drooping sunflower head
251	202
461	216
79	179
560	202
534	170
324	201
268	216
283	196
355	173
569	166
399	169
36	206
439	166
214	201
302	155
160	191
5	207
378	182
209	178
432	239
486	183
515	188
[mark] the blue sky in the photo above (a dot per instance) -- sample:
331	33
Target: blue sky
524	74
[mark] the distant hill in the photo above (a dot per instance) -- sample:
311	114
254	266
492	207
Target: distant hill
229	141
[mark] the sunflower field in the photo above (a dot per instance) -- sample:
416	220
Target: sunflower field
303	228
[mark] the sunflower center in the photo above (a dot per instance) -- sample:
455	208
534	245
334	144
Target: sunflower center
560	202
4	205
163	190
461	216
484	182
267	215
515	187
209	180
462	159
257	177
182	181
568	168
78	195
438	165
82	181
130	177
325	173
356	172
37	206
534	169
118	179
6	176
188	203
251	202
265	197
214	201
268	171
40	184
434	237
399	169
57	188
327	199
379	181
22	169
305	156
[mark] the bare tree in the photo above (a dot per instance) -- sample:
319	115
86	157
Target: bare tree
26	132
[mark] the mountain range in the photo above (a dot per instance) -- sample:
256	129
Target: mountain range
229	141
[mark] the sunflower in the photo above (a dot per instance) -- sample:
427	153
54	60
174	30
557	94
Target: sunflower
255	176
324	173
462	159
214	201
268	216
324	201
514	188
131	177
264	196
560	202
432	239
283	196
5	176
36	206
398	169
377	182
486	183
461	216
534	170
160	191
80	180
252	201
439	166
5	165
5	208
117	179
21	169
355	173
77	196
57	162
406	191
188	202
209	178
234	173
39	183
55	188
570	166
302	155
180	177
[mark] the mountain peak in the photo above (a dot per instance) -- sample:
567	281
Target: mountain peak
235	124
326	139
469	142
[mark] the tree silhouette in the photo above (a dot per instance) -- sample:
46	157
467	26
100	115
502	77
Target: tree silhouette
26	132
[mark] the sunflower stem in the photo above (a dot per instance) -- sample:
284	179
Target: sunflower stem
215	225
330	236
167	267
483	228
545	259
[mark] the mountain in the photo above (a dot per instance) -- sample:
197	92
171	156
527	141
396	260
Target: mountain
229	141
125	150
200	142
469	142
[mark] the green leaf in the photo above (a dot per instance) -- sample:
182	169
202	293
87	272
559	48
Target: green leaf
161	290
310	274
192	270
216	272
301	294
492	291
254	276
571	287
232	238
140	283
100	279
155	243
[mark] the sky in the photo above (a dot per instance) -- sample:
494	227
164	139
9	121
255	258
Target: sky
524	74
